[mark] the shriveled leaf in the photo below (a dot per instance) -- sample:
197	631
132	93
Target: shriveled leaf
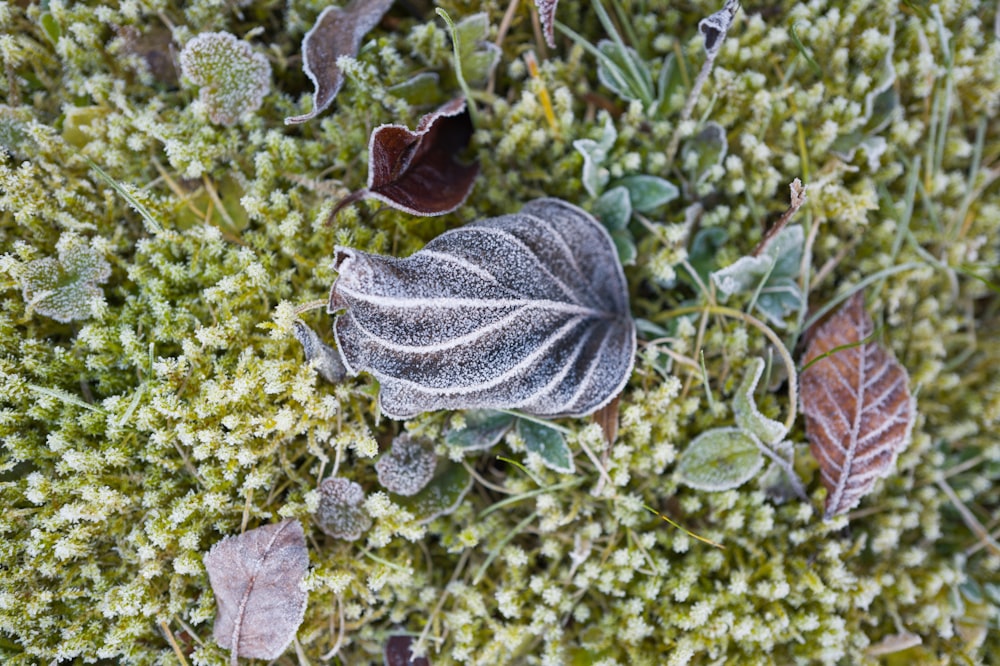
715	26
748	417
407	467
324	358
857	404
548	443
647	193
720	459
341	512
397	652
483	428
547	16
527	311
337	32
416	171
441	496
256	578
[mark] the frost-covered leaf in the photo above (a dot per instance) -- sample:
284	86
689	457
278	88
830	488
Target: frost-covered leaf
407	467
233	78
416	171
478	56
397	652
420	90
64	288
337	32
256	578
857	404
704	151
614	208
483	429
547	16
748	417
720	459
669	85
594	154
341	512
703	251
618	68
527	311
647	193
327	360
774	273
441	496
548	443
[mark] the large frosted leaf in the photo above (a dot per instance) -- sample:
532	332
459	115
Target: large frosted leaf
858	408
256	579
526	311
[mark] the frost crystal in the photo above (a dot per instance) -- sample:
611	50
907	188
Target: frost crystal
233	78
65	288
340	513
407	467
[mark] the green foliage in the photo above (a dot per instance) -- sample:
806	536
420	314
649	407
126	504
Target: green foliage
232	77
133	440
66	288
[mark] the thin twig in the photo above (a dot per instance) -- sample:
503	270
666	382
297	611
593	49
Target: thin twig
797	199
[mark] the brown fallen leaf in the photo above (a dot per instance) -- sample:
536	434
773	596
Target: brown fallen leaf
255	577
416	171
337	32
547	15
858	408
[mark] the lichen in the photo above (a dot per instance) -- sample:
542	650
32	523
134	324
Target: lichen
180	410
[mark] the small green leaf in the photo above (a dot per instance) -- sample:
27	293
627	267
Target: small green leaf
748	417
614	208
548	443
669	83
64	288
772	276
483	429
594	153
424	89
704	249
648	193
439	497
704	150
720	459
625	245
615	71
478	56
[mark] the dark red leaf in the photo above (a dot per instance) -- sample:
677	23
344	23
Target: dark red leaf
397	653
858	408
416	171
337	32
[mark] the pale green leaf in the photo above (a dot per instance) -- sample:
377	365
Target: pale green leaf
548	443
720	459
748	417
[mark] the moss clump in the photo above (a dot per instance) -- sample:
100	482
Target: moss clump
182	410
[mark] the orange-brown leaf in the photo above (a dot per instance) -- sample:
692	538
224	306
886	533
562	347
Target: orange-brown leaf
857	404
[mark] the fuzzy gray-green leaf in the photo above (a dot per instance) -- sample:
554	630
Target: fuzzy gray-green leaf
720	459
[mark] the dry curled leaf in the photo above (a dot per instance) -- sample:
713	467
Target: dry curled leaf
256	579
547	15
526	311
857	404
337	32
416	171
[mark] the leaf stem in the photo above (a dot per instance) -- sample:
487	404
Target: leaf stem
473	114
